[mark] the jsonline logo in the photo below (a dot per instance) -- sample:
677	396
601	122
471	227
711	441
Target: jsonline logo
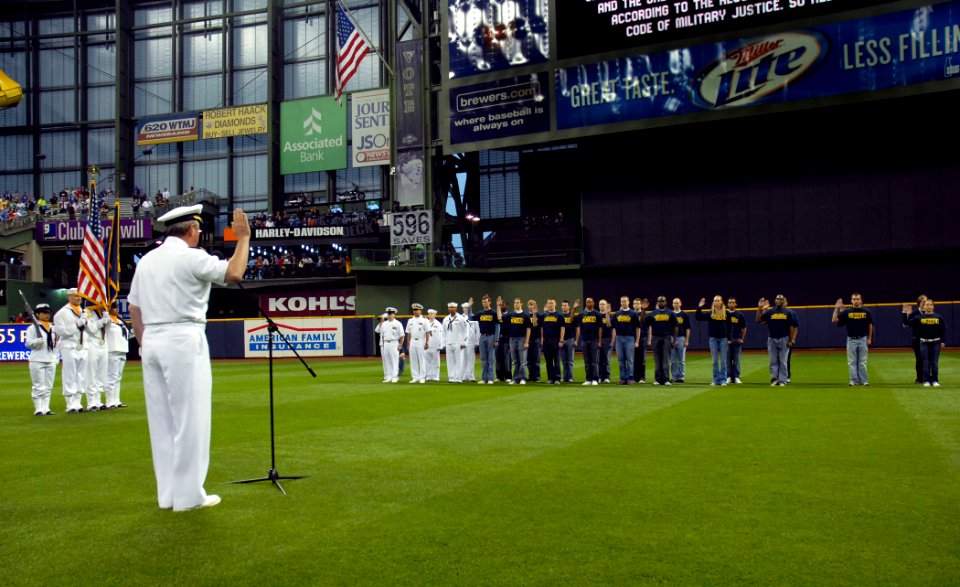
747	74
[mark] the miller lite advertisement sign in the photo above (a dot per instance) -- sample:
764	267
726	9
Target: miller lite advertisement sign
842	61
331	302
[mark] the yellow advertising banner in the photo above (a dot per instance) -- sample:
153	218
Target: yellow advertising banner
234	122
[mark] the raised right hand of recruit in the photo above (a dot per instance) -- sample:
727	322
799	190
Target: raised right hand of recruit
703	302
763	304
241	225
839	304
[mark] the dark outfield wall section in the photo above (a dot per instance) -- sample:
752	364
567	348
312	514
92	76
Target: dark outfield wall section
843	188
816	331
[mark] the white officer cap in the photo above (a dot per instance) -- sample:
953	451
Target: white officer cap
391	310
182	214
416	307
42	308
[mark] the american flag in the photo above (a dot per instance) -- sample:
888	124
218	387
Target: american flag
113	257
91	284
352	47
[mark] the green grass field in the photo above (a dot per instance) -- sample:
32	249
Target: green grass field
813	484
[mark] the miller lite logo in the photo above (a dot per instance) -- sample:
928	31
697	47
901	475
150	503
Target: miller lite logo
758	68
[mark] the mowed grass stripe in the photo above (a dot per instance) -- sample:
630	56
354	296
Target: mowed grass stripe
474	484
691	495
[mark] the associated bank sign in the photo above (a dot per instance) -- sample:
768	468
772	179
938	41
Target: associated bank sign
313	135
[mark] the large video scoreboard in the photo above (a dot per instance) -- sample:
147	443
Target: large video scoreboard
530	71
587	27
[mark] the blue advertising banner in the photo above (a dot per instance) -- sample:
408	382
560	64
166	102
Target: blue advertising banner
495	35
882	52
13	345
495	110
73	230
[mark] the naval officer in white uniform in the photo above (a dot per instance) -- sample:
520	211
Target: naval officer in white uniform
168	306
391	341
417	328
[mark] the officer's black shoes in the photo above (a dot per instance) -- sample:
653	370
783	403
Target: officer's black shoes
38	414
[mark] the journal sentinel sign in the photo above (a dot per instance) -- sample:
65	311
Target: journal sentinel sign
72	230
311	337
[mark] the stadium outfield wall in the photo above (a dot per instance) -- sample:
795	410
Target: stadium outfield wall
353	336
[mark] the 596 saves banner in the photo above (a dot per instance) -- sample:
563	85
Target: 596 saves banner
894	50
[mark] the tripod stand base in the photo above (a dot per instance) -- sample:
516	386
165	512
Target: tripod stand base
272	475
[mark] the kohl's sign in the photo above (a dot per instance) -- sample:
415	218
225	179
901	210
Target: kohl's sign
340	302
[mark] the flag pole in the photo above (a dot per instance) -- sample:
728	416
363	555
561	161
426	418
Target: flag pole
393	74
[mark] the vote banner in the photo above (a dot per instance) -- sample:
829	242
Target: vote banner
370	122
331	302
496	110
311	337
13	342
168	129
73	230
409	117
313	135
235	122
885	52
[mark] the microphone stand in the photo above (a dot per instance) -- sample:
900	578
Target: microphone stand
272	474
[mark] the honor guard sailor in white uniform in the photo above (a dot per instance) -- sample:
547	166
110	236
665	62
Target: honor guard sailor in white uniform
118	337
469	368
95	342
168	307
455	332
391	340
69	324
417	328
42	342
433	345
